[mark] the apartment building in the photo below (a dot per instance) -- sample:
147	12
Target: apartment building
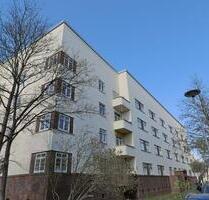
130	120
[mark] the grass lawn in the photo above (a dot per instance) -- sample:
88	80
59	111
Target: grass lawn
176	196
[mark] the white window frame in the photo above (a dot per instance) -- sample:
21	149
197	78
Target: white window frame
119	141
152	115
158	150
61	162
103	136
160	170
45	120
147	169
64	123
139	105
66	89
40	160
102	109
144	145
49	88
155	131
141	124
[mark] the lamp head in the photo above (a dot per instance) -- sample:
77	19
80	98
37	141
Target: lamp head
192	93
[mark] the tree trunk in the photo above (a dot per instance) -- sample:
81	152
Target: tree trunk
5	171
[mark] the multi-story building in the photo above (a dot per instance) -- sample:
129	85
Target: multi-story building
130	120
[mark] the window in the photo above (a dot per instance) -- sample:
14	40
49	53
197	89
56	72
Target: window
152	114
61	162
176	133
165	138
187	160
141	124
155	132
64	123
103	136
117	116
144	145
171	129
160	170
158	150
119	141
162	122
176	157
168	152
182	159
40	160
49	88
61	58
139	105
101	109
101	86
68	90
174	170
174	143
170	171
45	122
147	168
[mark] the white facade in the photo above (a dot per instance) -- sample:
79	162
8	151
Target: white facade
121	90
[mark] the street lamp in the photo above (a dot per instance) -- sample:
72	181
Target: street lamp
192	93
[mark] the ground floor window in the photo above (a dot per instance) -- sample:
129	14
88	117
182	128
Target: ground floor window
147	168
160	170
40	161
61	162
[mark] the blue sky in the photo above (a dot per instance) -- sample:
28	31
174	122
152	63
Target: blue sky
163	43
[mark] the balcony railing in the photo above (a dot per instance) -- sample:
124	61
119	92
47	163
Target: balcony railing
125	150
123	126
121	104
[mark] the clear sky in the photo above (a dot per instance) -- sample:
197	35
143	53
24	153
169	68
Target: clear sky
163	43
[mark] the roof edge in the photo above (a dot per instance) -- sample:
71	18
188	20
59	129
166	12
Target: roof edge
126	71
80	37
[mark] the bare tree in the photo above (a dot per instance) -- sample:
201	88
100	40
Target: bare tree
195	113
31	70
96	170
198	167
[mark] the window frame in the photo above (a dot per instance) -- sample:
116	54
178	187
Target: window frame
102	109
64	121
42	121
139	105
141	124
152	115
145	145
155	132
158	150
66	89
101	86
148	168
103	136
61	162
160	170
162	123
40	160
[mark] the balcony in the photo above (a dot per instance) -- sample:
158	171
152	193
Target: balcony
121	104
125	151
122	126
